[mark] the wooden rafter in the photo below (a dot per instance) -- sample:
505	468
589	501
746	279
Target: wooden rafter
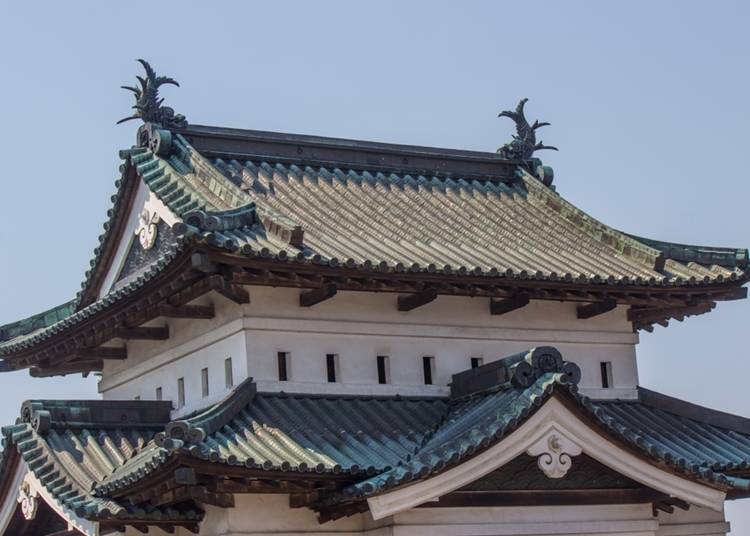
186	311
229	290
595	309
311	297
517	301
143	333
227	273
101	352
409	302
657	314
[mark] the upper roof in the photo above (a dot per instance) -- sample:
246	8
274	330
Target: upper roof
107	460
427	219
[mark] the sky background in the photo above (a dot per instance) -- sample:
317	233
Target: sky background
648	103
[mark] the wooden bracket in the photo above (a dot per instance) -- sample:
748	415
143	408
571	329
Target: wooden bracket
412	301
144	333
229	290
74	367
101	352
595	309
200	262
517	301
308	298
661	314
186	311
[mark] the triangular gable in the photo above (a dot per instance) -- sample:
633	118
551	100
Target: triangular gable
144	235
556	435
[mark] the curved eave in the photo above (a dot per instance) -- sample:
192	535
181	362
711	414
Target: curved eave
707	255
19	353
23	444
478	439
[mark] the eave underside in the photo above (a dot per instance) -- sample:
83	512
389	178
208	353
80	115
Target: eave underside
70	346
305	212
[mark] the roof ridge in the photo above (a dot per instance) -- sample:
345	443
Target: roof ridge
196	427
44	415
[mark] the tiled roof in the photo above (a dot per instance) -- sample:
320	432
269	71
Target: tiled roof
27	339
295	433
71	459
379	219
88	452
694	448
518	228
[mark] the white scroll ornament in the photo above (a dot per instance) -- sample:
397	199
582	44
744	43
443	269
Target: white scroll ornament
554	454
146	229
29	499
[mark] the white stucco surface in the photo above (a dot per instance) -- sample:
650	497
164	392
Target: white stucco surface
270	514
357	327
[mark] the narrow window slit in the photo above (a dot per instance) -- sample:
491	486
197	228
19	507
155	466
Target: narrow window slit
331	367
428	363
382	368
283	363
606	369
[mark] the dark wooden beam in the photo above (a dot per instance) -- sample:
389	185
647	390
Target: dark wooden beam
547	497
144	333
500	307
736	293
194	493
186	311
311	297
101	352
659	314
229	290
412	301
303	500
595	309
74	367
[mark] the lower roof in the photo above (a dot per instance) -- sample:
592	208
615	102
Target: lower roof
99	457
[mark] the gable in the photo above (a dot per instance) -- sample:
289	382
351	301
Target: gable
556	437
524	474
145	234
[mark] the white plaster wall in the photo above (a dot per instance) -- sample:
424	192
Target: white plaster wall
358	326
270	514
694	522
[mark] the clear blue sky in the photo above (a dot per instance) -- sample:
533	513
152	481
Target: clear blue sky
648	103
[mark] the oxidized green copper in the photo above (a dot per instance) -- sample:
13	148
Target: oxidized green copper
524	142
148	105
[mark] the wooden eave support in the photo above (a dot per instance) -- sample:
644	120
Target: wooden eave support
186	311
595	309
661	314
194	493
311	297
412	301
229	290
517	301
74	367
101	352
143	333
